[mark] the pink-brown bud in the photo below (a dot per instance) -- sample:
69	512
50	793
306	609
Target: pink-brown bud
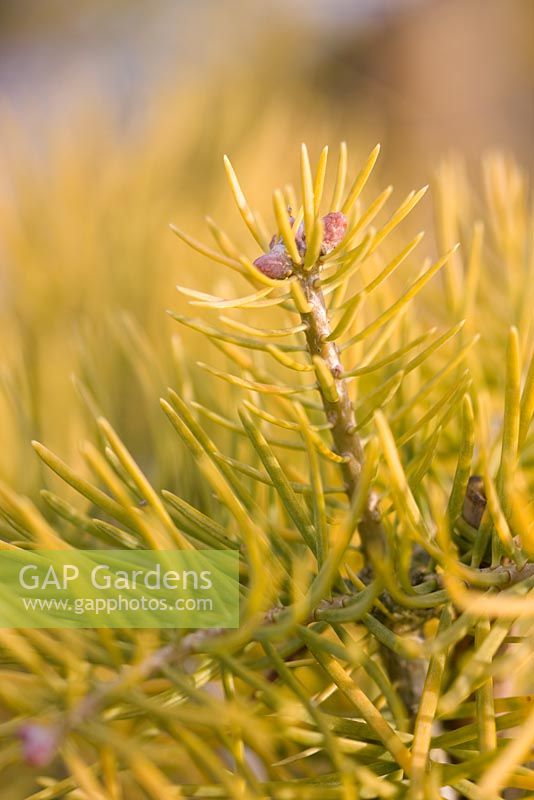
335	228
276	263
39	743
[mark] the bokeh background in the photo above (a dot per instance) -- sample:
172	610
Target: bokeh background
113	121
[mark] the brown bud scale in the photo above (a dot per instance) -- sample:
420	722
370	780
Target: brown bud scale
335	228
276	263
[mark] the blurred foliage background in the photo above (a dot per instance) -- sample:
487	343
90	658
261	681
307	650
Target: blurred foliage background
113	122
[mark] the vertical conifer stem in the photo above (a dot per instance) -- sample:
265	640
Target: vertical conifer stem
340	412
407	675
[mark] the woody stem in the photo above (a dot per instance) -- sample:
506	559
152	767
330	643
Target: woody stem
406	674
340	412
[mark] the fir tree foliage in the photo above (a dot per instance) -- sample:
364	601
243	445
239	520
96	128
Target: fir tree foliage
374	471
